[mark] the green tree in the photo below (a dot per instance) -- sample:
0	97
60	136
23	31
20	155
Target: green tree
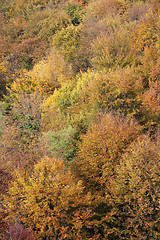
76	12
62	143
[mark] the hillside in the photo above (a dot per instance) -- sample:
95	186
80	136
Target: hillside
80	119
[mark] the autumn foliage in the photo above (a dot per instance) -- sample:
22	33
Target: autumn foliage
52	202
79	119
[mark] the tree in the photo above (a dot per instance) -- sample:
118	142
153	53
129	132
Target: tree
7	75
98	154
62	143
112	50
19	137
101	148
67	41
134	191
52	202
51	73
76	12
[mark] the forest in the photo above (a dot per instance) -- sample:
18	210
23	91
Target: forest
80	119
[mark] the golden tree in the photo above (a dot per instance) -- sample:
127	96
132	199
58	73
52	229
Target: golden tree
52	202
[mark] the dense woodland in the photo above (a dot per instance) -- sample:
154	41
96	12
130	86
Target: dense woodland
80	119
